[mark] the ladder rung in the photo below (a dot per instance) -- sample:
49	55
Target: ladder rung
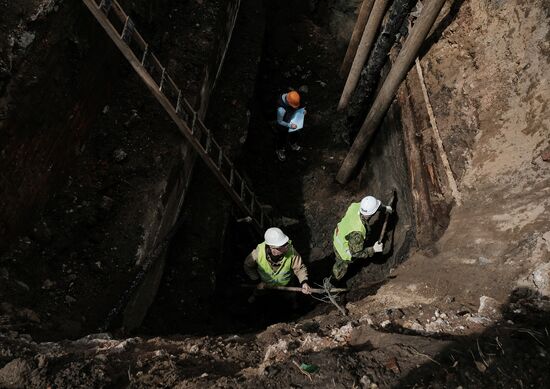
128	30
252	204
231	177
193	122
105	6
144	56
178	104
162	78
208	143
261	217
220	158
243	184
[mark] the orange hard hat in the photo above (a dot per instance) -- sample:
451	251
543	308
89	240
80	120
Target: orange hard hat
293	99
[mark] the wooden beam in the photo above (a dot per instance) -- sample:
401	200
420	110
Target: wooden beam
375	19
362	18
442	153
387	92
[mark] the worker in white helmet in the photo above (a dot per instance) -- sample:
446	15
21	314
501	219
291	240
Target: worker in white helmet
273	261
358	226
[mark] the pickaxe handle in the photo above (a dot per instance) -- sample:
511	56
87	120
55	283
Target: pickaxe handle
295	288
383	232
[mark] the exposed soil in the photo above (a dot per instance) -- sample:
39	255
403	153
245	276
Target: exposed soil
470	309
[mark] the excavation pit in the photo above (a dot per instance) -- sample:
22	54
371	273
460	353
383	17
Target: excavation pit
116	236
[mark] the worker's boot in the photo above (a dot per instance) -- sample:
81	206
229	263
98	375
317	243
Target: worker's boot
295	147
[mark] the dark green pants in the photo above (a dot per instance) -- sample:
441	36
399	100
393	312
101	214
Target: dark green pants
340	267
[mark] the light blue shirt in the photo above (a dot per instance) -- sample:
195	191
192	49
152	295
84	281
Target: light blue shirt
281	114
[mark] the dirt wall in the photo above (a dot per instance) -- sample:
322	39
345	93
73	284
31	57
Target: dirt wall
120	196
179	181
341	16
47	108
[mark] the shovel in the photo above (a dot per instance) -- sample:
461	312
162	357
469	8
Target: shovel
391	203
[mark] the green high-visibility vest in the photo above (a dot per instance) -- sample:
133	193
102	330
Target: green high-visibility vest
282	275
351	222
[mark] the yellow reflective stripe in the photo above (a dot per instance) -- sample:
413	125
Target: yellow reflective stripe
279	277
350	222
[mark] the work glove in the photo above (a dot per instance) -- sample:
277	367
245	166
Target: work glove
389	209
305	288
378	247
260	285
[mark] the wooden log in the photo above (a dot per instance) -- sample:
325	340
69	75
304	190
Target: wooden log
375	19
442	153
389	88
362	18
372	74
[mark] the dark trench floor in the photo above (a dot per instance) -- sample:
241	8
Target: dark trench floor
200	291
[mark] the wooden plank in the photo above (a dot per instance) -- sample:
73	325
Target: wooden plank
387	92
442	153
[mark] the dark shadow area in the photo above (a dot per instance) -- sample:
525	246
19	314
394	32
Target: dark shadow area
279	183
187	301
513	353
200	292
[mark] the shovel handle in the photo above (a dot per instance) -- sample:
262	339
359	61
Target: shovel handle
386	221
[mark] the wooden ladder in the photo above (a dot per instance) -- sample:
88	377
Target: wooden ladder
121	30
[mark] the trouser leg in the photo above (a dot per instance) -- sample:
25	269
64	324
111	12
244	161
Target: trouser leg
294	137
281	137
340	267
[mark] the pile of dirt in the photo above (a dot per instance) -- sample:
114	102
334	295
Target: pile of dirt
360	350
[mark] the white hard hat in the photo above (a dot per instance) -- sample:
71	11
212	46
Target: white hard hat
275	237
369	205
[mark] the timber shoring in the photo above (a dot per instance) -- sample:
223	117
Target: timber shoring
388	90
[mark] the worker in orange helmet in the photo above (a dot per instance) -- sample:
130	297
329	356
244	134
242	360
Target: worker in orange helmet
287	132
